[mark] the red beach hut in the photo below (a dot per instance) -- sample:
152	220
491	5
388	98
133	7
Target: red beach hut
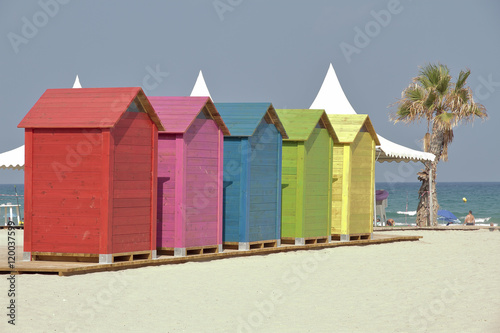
90	175
190	163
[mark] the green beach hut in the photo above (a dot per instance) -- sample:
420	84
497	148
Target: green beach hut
353	176
306	178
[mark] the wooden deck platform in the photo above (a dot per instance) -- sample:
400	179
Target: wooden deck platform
74	268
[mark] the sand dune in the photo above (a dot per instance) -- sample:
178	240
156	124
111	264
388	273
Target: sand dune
449	281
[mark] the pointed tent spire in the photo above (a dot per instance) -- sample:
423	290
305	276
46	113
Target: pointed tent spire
77	83
200	88
331	97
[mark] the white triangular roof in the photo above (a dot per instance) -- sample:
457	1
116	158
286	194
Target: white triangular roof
200	88
77	83
14	159
332	99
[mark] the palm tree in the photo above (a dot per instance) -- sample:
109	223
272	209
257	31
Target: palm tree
433	98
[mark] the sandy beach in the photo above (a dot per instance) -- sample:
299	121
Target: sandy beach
449	281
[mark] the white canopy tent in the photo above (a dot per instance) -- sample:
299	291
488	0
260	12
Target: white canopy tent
333	100
14	159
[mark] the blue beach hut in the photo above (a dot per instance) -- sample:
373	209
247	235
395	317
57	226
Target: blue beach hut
252	175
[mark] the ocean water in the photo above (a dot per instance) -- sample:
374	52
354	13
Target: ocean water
8	195
482	198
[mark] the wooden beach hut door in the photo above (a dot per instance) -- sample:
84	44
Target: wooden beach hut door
289	190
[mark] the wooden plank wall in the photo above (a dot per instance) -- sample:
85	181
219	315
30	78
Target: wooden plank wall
317	184
66	191
202	183
132	183
265	173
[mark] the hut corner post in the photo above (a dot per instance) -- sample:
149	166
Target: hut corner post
373	203
154	190
220	190
28	194
278	192
330	189
346	188
105	235
244	228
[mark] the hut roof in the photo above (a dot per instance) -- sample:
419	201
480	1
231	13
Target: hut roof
347	126
85	108
300	123
178	113
242	119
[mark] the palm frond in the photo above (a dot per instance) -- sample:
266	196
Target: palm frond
445	120
415	93
447	139
431	75
462	79
463	95
403	110
444	154
443	84
431	98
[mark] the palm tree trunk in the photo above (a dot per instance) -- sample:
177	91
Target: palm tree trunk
433	192
423	208
423	204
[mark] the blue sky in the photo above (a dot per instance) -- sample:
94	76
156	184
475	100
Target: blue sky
262	51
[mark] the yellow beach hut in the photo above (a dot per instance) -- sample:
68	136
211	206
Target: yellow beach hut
353	176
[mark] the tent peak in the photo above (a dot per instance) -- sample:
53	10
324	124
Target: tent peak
77	82
200	88
331	96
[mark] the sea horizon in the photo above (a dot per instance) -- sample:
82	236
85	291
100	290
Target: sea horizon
481	197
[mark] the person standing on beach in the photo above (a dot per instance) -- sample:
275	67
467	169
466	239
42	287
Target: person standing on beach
469	219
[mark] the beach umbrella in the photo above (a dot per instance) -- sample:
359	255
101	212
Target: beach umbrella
381	195
447	216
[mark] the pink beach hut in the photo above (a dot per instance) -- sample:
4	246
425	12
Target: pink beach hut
190	187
